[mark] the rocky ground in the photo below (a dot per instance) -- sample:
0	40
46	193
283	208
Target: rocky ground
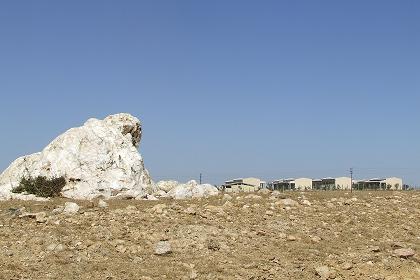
311	235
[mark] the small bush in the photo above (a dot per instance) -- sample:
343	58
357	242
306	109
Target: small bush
41	186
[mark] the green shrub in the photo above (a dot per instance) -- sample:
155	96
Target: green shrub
41	186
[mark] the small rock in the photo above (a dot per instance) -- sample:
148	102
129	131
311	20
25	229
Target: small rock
70	208
306	202
316	239
57	210
397	245
121	249
159	208
375	249
163	248
347	266
291	238
289	202
102	204
190	211
404	252
323	272
41	217
213	245
269	213
56	247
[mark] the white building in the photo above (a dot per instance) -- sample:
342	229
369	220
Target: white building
392	183
340	183
243	185
292	184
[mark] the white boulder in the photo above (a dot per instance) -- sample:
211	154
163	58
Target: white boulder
71	208
98	159
192	190
166	186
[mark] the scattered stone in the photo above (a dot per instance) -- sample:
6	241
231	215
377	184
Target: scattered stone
306	202
404	252
316	239
289	202
375	249
70	208
397	245
291	238
190	211
269	213
58	210
41	217
213	245
121	248
347	266
54	247
159	208
102	204
323	272
163	248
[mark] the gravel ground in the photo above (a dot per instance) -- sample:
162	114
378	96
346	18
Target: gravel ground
263	235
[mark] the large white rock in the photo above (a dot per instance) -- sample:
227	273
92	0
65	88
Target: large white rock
99	158
192	190
166	186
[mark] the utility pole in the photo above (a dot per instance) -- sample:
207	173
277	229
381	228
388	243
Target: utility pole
200	178
351	179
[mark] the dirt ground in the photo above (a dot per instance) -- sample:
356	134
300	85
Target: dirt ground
258	235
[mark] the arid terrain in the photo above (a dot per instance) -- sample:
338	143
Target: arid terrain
262	235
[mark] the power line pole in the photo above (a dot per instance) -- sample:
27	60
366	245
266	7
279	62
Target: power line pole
351	179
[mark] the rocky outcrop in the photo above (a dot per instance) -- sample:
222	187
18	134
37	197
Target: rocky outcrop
191	189
98	159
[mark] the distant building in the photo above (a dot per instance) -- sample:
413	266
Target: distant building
244	185
291	184
392	183
340	183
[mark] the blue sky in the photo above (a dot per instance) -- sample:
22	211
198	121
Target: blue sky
271	89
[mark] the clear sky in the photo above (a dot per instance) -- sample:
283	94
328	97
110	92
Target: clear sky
271	89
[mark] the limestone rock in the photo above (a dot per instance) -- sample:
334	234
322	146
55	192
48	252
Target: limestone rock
70	208
41	217
404	253
306	202
347	266
166	186
289	202
99	158
163	248
192	190
323	272
102	204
